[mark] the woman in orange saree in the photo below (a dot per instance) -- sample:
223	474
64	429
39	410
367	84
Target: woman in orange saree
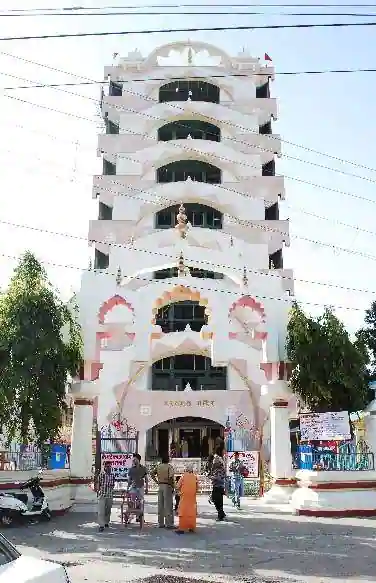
188	488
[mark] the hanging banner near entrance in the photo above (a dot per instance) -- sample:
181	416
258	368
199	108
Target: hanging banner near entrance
329	426
120	464
251	460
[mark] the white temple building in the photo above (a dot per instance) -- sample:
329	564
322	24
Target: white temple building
184	312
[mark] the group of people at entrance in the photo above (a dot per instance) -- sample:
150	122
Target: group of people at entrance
185	488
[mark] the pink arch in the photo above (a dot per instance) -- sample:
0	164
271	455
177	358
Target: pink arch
248	302
109	304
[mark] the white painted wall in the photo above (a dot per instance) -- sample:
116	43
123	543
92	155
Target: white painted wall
138	249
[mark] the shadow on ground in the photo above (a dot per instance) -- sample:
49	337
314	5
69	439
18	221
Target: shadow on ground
249	548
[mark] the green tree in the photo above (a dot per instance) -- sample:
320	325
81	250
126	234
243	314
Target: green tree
367	335
329	370
40	349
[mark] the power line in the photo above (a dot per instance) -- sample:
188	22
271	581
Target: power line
299	180
131	12
122	108
209	288
55	137
77	9
306	148
242	142
192	29
258	272
240	75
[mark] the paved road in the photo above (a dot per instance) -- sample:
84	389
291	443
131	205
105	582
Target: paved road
250	547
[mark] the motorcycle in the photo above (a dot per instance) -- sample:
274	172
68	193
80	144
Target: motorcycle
17	507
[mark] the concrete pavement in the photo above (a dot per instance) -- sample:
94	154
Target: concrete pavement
250	547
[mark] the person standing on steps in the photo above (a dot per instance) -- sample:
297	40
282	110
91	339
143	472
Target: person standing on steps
163	475
105	493
218	477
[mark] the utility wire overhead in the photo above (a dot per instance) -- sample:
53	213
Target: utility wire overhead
191	29
190	13
75	75
197	287
170	6
81	83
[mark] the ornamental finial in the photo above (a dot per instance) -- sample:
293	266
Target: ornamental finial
181	224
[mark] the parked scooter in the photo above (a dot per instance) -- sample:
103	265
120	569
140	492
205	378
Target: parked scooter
17	507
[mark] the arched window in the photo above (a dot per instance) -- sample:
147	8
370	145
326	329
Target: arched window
175	317
197	170
175	372
199	215
189	89
182	129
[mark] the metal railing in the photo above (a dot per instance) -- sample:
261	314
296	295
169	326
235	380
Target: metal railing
17	460
331	462
32	458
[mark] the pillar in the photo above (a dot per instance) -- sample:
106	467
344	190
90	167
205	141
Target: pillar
370	426
141	446
81	457
280	455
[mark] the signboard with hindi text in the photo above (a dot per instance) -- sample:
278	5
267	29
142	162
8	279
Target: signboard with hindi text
120	463
325	426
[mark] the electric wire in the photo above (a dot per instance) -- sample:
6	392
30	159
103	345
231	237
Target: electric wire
181	146
131	12
233	293
225	122
228	138
301	26
306	148
182	5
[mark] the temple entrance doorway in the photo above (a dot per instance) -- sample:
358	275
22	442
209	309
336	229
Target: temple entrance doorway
184	438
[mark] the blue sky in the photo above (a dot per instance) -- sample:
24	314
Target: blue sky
48	159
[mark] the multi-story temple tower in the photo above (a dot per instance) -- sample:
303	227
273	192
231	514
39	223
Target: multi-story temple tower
185	308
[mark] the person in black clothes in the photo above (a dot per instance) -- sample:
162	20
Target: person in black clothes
177	496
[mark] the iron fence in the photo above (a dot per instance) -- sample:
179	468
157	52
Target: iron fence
330	461
33	457
12	460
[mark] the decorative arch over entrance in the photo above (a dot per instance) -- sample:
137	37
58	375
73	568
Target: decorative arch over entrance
179	293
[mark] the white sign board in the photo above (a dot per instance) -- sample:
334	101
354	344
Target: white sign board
325	426
120	464
249	458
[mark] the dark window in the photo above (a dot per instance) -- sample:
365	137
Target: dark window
101	260
268	169
109	169
111	127
263	92
183	169
175	317
195	90
266	128
115	89
180	130
200	273
171	374
276	260
105	212
198	215
272	212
